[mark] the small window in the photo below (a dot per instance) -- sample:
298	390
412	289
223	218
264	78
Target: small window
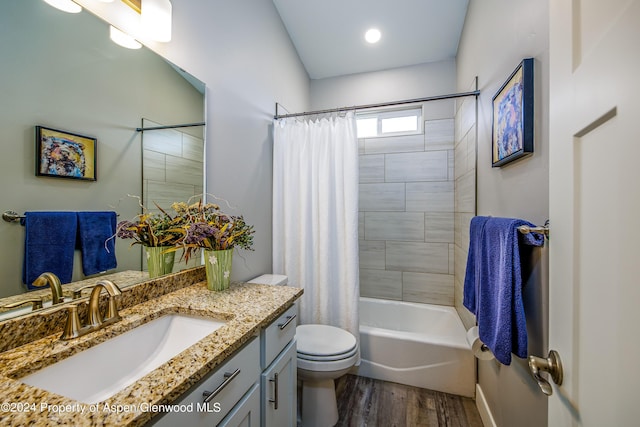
379	123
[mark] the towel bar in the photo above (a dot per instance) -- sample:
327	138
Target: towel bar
525	229
11	216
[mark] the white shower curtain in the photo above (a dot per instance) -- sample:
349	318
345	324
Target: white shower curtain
315	216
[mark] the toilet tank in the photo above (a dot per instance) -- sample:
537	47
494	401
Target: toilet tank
270	279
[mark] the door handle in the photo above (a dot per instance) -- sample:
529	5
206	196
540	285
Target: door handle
551	365
275	392
289	320
229	376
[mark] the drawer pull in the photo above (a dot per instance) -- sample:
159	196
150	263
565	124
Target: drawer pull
209	395
275	391
284	325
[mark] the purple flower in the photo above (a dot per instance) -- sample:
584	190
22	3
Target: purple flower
125	230
197	232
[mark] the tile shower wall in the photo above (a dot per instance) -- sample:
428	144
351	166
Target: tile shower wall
465	194
406	216
172	170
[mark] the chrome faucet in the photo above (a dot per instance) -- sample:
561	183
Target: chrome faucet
74	327
54	283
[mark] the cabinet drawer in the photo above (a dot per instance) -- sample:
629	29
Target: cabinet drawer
231	381
277	335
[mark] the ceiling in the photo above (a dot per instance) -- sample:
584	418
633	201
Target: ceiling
329	34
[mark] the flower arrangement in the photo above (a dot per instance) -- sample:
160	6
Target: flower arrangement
152	229
206	226
190	227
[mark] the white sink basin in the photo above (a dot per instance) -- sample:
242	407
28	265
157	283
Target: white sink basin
100	372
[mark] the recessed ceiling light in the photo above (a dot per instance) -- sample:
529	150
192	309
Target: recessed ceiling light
373	35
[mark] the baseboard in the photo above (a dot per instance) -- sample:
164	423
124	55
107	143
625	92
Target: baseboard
483	408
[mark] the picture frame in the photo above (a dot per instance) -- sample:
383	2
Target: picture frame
512	127
62	154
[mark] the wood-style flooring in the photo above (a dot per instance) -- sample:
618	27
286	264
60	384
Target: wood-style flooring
374	403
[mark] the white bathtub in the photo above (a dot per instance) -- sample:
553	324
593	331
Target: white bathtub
422	345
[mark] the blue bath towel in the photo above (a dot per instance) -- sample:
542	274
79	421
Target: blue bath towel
96	242
50	239
493	284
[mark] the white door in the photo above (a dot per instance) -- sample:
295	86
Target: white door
594	166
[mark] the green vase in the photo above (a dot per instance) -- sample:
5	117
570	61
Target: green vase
159	263
218	268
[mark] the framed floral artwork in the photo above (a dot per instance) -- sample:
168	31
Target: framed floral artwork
512	136
62	154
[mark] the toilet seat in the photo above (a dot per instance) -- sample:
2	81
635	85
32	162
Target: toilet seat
325	348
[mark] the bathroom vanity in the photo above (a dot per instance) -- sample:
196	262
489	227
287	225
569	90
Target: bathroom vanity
246	367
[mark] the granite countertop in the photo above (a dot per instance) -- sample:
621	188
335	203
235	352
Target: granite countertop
246	307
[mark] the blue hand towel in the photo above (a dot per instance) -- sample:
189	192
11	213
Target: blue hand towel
493	283
50	239
96	242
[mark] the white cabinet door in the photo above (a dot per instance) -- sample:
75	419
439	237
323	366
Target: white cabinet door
279	388
247	412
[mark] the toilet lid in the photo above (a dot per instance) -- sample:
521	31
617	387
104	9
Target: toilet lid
324	341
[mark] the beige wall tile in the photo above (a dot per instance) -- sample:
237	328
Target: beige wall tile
381	284
166	193
382	197
371	168
425	166
394	144
192	147
439	134
372	254
153	165
404	226
418	257
428	288
436	196
466	193
166	141
184	171
438	227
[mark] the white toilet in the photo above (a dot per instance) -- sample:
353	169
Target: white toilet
325	353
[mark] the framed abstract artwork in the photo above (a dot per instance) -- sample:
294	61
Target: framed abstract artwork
512	136
62	154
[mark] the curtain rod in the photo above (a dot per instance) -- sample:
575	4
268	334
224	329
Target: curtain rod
186	125
382	104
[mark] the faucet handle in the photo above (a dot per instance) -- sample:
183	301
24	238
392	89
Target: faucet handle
73	326
36	303
77	293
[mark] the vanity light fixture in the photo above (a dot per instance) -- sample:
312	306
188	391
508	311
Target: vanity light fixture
65	5
372	35
155	17
123	39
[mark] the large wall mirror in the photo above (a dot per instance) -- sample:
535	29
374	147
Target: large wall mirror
62	71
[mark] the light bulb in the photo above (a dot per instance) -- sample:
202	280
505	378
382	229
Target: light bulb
155	17
65	5
123	39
